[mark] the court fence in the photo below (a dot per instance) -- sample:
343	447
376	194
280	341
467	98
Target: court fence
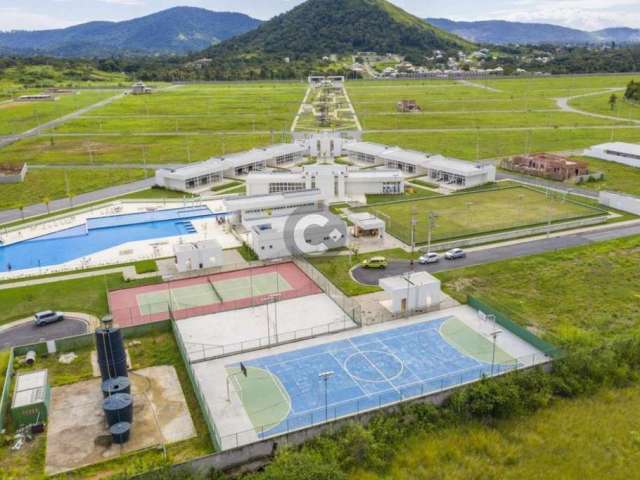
204	406
504	321
347	304
6	389
200	352
371	403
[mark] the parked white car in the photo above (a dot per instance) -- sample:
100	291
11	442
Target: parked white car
45	318
430	257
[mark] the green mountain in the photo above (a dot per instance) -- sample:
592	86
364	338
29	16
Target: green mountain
322	27
174	31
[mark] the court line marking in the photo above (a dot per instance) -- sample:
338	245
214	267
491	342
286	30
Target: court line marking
384	377
374	366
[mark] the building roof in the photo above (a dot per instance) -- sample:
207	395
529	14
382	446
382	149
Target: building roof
367	148
376	174
403	282
366	221
621	147
411	157
212	244
219	164
458	167
30	388
271	201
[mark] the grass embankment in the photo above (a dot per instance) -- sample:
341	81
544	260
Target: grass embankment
585	438
153	349
53	184
88	295
146	266
617	177
578	294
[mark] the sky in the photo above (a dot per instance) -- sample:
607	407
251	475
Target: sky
582	14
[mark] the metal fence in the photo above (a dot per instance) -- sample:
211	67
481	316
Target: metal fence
6	388
519	331
201	352
366	404
204	407
347	304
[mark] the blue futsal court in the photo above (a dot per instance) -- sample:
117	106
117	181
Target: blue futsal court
368	371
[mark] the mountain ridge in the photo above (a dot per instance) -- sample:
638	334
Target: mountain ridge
503	32
177	30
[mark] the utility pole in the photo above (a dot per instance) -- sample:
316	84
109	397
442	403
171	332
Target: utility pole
431	222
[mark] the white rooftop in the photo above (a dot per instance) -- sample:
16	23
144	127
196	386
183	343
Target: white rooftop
451	165
416	279
212	244
272	200
621	147
368	148
366	220
30	388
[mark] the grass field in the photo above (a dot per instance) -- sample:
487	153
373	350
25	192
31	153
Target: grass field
477	213
586	438
600	104
578	294
617	177
18	117
52	184
472	122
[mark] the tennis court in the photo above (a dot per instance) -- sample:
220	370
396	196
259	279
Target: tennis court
285	391
210	294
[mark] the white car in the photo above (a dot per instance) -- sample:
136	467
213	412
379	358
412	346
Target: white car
41	319
430	257
455	254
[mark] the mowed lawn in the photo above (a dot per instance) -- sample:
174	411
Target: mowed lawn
472	122
588	438
617	177
600	104
475	213
52	184
577	294
18	117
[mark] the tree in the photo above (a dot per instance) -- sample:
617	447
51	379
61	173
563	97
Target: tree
613	100
47	202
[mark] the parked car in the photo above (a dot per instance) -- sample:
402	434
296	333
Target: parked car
430	257
45	318
455	254
375	262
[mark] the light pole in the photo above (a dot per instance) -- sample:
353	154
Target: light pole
494	335
325	376
431	220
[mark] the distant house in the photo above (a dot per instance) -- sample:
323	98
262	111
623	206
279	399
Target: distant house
140	88
547	165
42	97
408	106
13	173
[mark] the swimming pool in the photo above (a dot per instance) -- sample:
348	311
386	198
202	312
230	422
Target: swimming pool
98	234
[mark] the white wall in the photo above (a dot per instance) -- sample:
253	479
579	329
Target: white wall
626	203
598	153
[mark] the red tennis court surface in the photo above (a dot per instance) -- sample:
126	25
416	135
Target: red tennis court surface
209	294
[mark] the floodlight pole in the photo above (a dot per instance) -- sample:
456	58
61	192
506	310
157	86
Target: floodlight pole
325	376
494	335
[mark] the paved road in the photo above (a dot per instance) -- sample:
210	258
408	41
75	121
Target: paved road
490	255
63	204
4	141
28	333
563	104
563	187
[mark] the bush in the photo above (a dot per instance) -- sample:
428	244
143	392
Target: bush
146	266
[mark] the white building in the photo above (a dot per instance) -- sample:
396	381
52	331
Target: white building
272	222
366	224
335	182
201	176
625	153
412	292
439	169
198	255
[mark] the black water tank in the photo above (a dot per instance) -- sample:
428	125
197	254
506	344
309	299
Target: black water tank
120	432
112	358
116	385
118	408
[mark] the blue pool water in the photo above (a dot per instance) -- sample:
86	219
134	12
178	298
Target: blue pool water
368	371
98	234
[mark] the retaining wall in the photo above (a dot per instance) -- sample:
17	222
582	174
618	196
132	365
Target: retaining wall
620	201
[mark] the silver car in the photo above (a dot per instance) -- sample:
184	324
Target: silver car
45	318
430	257
455	254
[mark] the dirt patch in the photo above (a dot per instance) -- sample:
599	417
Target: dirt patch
77	433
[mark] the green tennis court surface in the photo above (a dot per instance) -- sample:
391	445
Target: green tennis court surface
264	399
204	294
472	343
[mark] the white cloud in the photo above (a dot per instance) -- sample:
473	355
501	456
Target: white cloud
12	18
581	14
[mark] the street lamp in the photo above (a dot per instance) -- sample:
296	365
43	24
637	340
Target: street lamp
325	376
494	334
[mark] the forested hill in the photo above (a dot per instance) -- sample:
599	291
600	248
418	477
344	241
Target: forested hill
323	27
175	31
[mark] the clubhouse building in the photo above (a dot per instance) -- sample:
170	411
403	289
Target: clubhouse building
438	169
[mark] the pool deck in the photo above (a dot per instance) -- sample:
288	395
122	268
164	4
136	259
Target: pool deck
128	252
232	421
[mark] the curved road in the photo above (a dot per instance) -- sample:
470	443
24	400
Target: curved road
563	104
490	255
27	333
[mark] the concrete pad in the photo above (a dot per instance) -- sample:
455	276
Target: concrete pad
77	433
